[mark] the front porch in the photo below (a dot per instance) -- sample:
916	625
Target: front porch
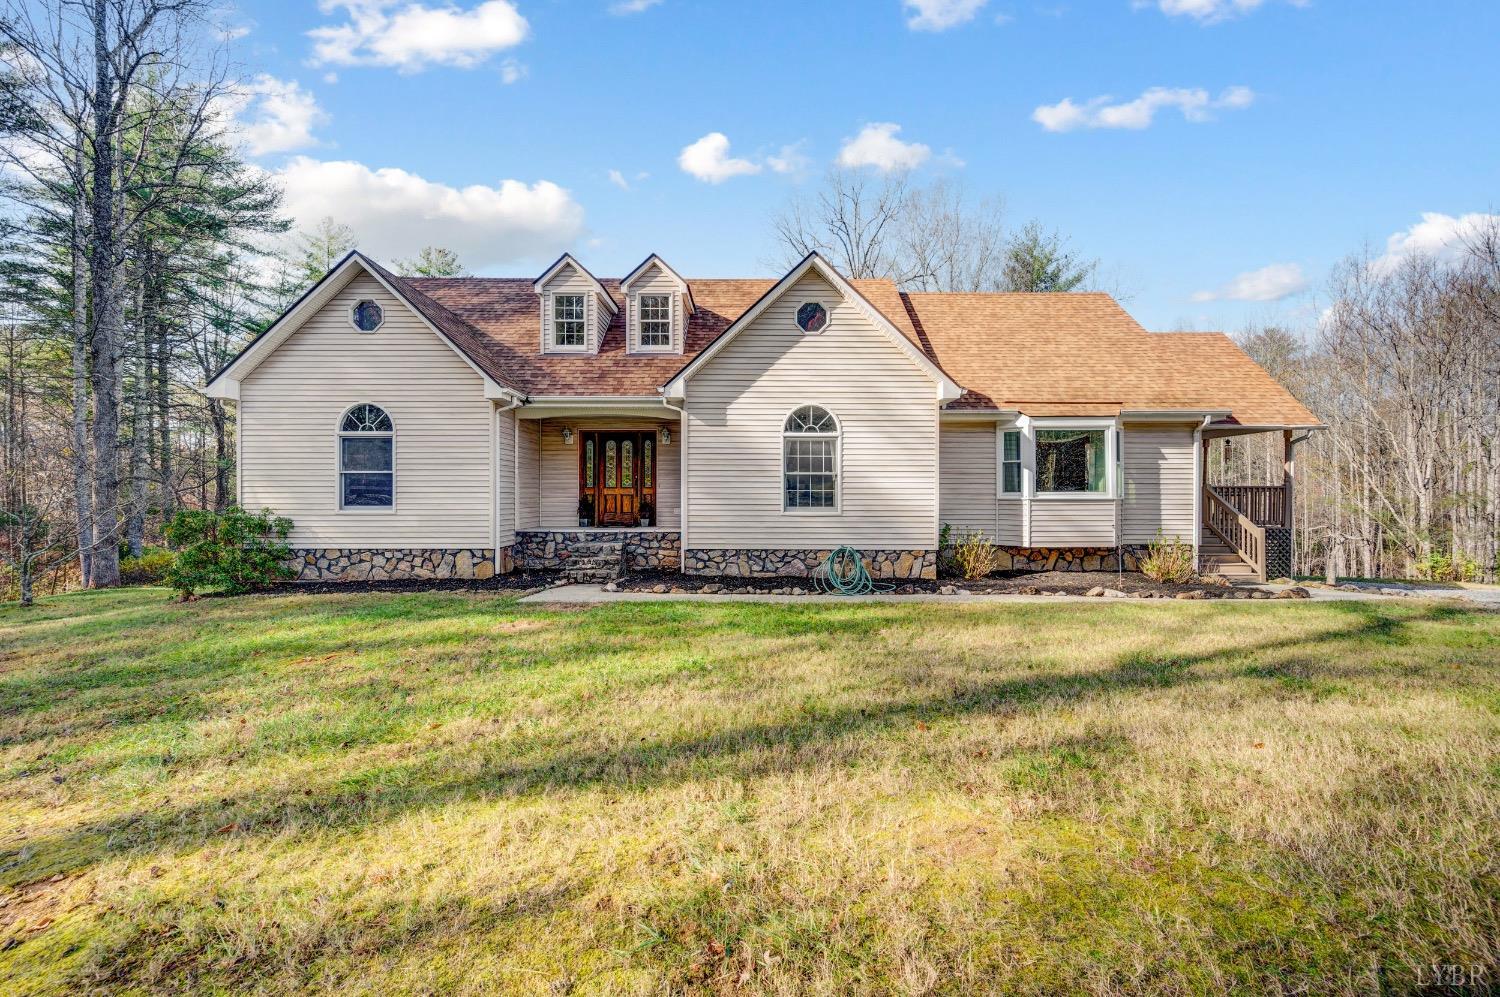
1247	529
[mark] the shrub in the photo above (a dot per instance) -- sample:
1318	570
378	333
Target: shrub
1168	560
151	568
234	550
1437	567
975	556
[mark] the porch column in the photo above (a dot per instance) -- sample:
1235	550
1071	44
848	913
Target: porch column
1288	475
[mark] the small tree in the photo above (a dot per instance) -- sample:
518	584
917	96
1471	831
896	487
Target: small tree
432	261
234	550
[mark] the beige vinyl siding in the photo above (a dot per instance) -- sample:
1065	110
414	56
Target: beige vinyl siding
887	407
967	499
505	476
1012	522
656	281
289	411
570	280
529	476
558	474
1158	482
1072	522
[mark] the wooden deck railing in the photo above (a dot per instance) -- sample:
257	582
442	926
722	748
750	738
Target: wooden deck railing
1236	529
1263	505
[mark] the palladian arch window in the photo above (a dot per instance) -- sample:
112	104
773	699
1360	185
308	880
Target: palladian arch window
367	459
810	459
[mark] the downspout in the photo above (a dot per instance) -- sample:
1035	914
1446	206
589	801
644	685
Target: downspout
682	482
1200	473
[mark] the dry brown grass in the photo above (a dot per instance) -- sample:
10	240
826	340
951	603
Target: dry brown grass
376	794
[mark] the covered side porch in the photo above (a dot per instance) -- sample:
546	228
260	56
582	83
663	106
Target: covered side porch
598	487
1246	529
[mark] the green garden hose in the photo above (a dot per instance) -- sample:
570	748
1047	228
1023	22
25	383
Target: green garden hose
843	573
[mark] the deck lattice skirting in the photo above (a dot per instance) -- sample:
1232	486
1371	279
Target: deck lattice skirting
346	564
643	549
1278	552
758	563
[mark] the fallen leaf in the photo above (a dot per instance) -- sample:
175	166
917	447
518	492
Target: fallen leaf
227	828
1260	744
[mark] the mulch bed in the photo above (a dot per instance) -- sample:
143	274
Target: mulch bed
1132	584
516	581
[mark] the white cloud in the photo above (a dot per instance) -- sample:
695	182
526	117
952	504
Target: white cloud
1195	104
625	7
413	37
877	145
276	115
512	71
791	159
394	212
1437	235
1208	11
939	15
1269	283
618	179
708	159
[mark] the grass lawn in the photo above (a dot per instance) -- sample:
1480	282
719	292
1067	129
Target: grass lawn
447	792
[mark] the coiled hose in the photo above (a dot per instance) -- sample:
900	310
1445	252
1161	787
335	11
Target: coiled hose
843	573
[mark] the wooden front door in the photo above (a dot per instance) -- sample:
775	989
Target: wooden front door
617	470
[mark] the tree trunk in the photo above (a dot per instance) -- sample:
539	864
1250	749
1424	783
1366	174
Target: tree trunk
108	317
164	430
221	454
83	468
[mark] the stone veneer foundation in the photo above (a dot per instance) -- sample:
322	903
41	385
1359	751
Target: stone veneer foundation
801	563
643	549
345	564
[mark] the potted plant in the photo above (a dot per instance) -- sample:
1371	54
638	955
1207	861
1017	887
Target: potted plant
646	512
585	510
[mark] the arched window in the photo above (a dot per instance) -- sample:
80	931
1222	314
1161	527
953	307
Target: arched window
367	459
810	459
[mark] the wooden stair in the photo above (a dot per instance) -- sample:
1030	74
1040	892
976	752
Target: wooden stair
1215	557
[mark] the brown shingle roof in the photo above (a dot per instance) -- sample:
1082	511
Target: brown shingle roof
1043	354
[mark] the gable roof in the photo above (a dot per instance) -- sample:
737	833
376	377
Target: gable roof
687	290
448	327
567	260
905	340
1076	354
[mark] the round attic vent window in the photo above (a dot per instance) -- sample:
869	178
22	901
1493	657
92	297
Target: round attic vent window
812	317
368	316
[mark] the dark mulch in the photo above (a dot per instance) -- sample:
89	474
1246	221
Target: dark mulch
516	581
672	581
1015	583
1080	582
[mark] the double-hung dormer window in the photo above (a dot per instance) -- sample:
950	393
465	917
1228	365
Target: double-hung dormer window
569	317
655	321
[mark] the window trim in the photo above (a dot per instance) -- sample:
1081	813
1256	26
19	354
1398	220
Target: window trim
1020	461
338	463
1111	444
827	310
838	461
553	346
637	307
355	325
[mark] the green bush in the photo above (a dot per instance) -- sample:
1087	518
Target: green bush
151	568
235	550
1168	560
1436	567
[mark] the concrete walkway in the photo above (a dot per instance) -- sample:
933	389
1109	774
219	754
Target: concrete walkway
585	594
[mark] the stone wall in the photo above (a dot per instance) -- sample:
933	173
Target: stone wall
801	563
643	549
342	564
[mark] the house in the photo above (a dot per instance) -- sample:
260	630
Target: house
464	426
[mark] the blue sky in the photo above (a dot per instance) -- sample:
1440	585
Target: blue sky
1219	156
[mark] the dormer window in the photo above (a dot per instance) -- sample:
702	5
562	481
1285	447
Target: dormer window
656	321
568	318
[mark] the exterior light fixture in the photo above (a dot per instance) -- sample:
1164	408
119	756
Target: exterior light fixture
666	435
567	437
